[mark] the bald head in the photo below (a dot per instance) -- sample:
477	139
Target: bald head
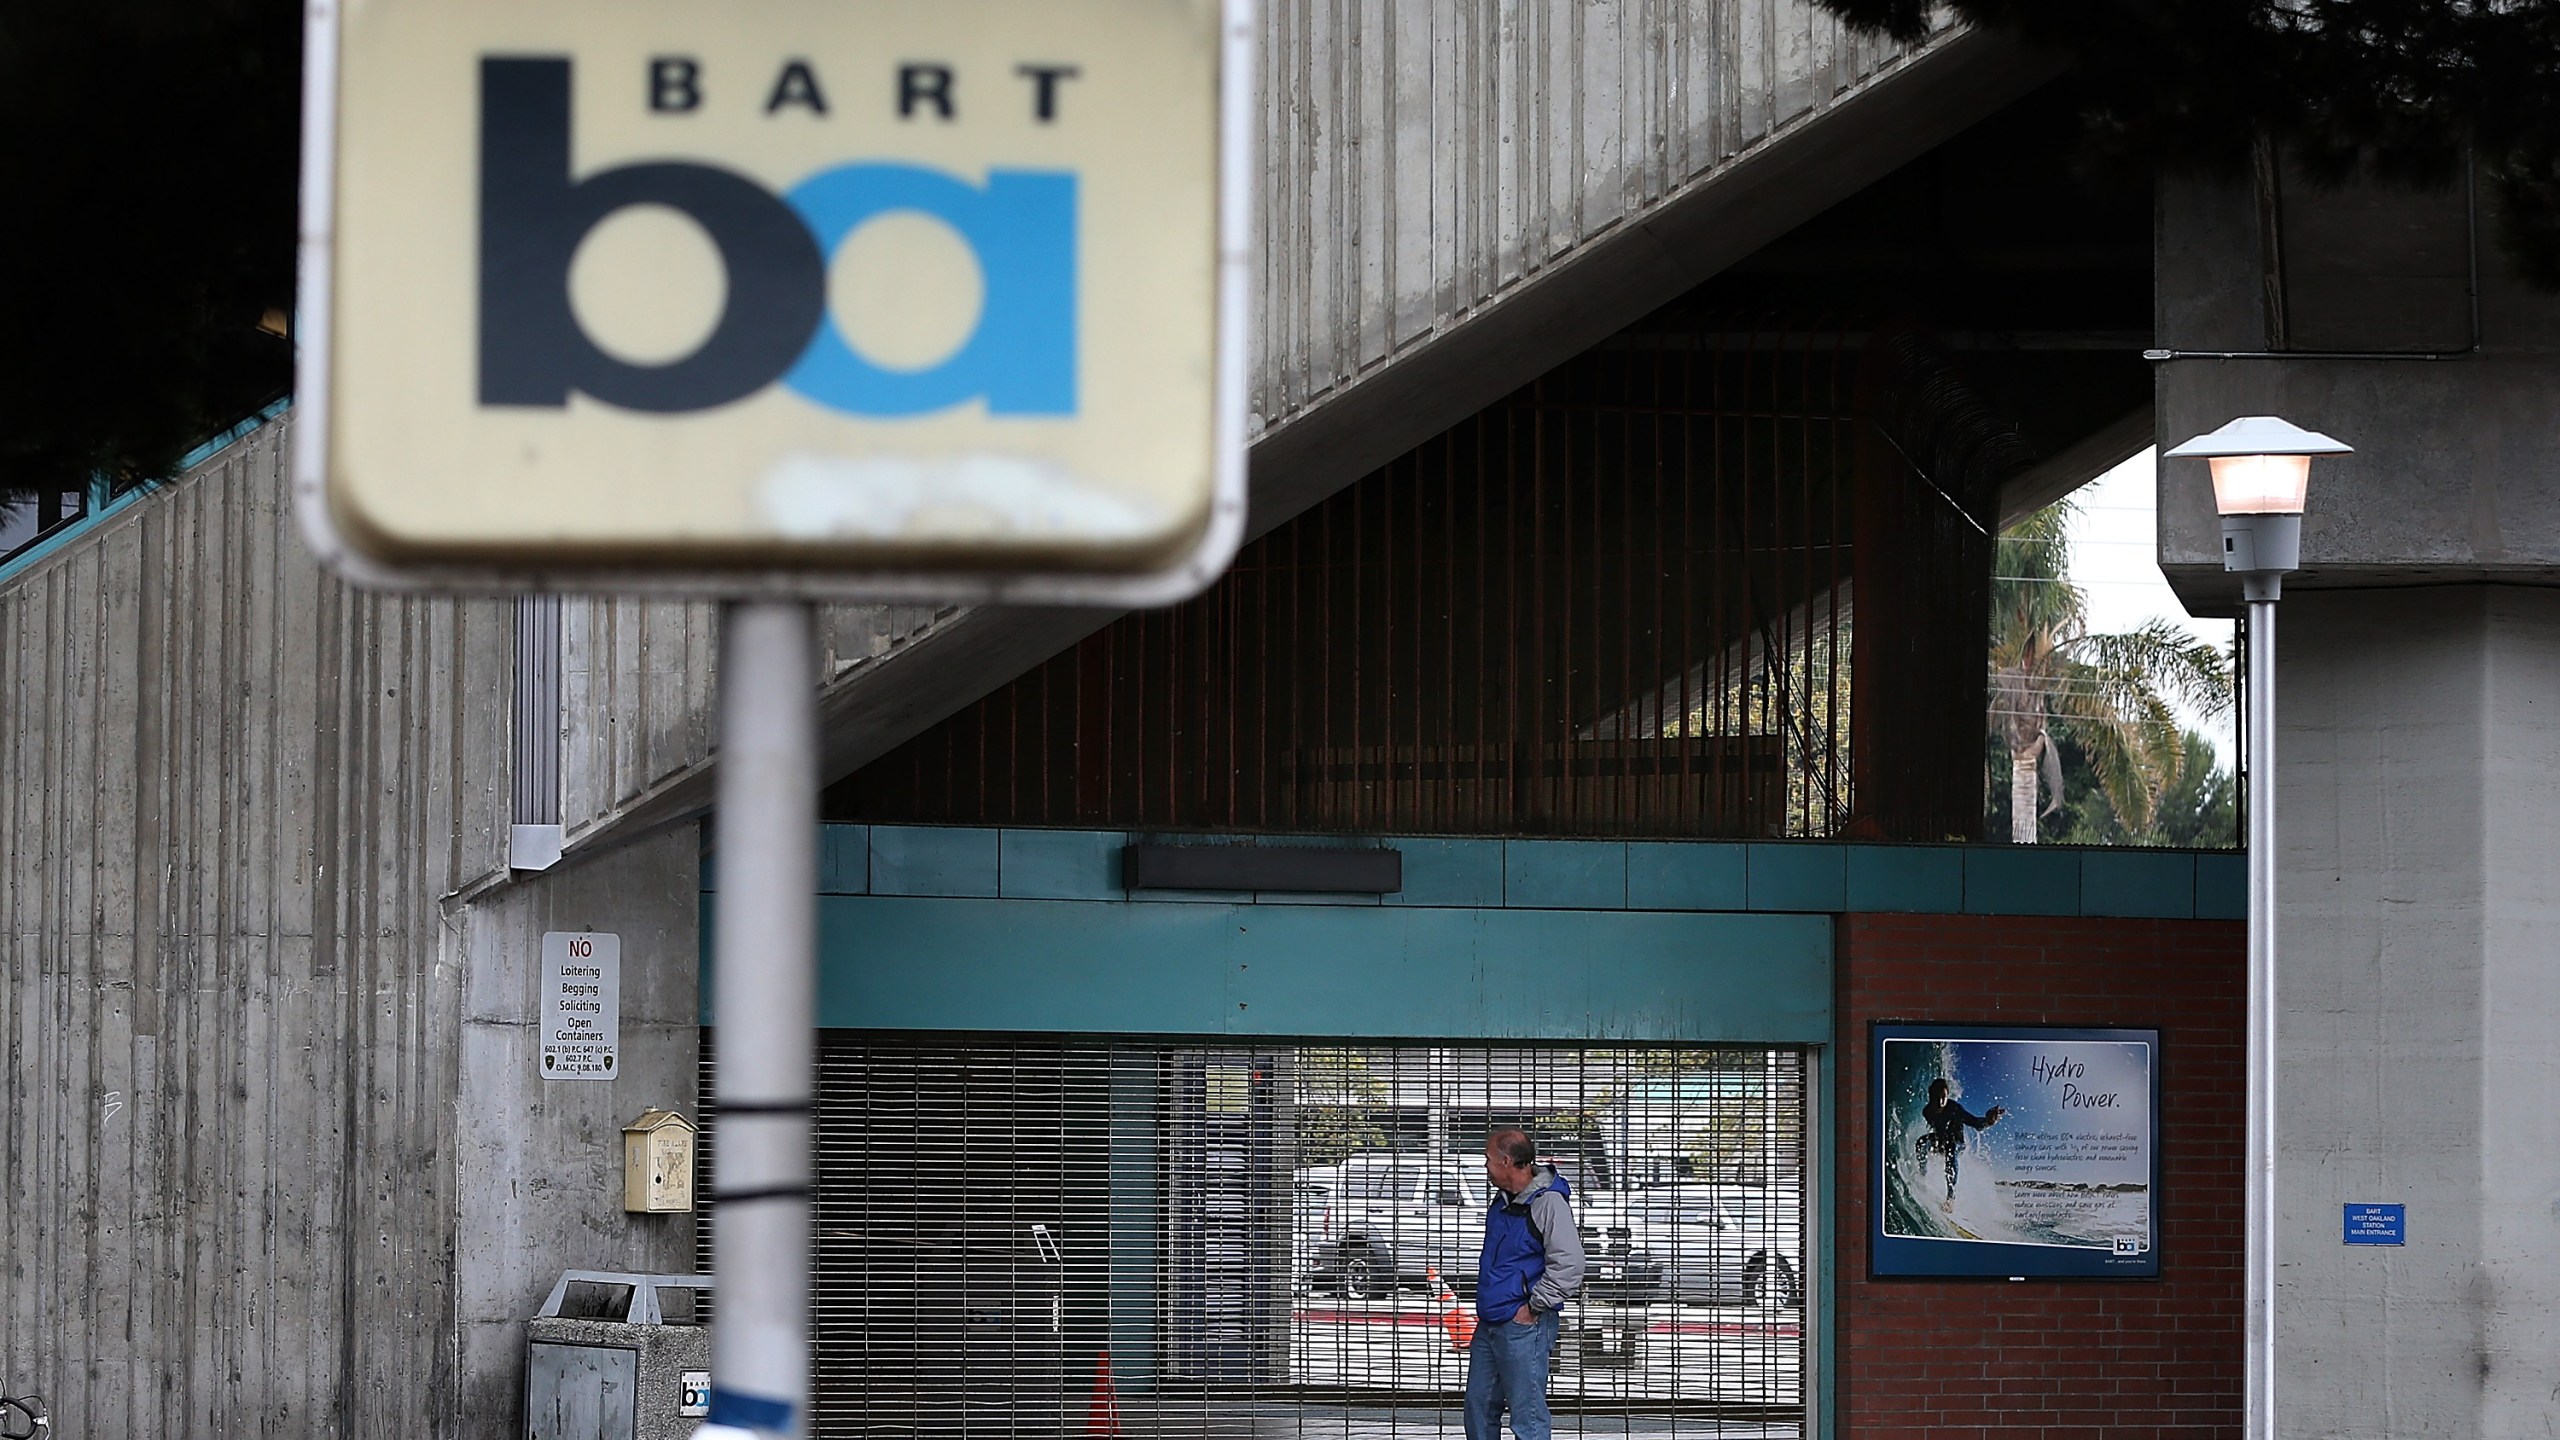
1509	1159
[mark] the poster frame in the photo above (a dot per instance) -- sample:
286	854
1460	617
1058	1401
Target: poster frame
1905	1257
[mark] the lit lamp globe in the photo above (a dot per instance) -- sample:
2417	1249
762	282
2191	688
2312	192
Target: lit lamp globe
2261	474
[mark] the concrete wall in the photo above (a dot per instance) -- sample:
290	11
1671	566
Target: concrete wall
2415	814
2518	1282
539	1162
237	793
279	1159
2419	738
2455	459
639	683
1423	162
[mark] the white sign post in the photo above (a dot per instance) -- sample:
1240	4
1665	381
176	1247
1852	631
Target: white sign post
581	1005
767	302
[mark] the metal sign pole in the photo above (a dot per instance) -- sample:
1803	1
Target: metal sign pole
2261	476
2258	1287
766	1013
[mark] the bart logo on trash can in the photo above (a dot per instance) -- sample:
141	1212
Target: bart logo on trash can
1019	226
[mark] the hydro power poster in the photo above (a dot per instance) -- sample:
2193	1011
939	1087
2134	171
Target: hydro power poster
2005	1150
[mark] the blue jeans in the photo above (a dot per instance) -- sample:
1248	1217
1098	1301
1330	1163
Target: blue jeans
1507	1365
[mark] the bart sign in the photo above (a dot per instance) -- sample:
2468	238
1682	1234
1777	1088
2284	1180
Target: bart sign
782	297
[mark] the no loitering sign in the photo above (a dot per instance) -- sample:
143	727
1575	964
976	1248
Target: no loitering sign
581	1005
780	297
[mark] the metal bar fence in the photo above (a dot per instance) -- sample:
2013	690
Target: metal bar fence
1618	602
1040	1236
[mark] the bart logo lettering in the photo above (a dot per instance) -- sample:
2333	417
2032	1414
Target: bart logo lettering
1020	358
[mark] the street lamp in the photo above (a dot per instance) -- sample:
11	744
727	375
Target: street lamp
2261	469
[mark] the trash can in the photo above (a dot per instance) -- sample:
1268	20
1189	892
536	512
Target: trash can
604	1362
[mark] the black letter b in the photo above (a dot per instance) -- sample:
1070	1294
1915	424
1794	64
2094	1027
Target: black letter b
532	216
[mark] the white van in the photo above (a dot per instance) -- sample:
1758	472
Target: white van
1391	1219
1386	1221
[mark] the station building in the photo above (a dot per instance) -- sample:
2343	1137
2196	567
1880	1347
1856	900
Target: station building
1591	738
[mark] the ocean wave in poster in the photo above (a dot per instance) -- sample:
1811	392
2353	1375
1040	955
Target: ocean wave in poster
1995	1198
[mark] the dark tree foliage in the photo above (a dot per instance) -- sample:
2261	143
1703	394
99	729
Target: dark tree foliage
2199	810
2397	89
148	152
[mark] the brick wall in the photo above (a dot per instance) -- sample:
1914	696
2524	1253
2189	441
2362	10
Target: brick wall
2055	1360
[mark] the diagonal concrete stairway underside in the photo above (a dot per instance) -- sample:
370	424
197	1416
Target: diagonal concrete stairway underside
1456	197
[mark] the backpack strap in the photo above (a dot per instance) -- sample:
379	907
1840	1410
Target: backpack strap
1541	1232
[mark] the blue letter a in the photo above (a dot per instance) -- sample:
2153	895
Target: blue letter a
1022	355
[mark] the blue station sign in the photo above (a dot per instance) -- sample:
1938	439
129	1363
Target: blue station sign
2377	1225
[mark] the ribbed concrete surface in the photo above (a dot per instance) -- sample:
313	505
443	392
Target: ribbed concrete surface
637	688
1423	159
235	792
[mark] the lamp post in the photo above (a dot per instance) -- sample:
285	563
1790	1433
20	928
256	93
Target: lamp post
2261	469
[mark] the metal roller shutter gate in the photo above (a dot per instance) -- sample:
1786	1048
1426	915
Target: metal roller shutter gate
1046	1236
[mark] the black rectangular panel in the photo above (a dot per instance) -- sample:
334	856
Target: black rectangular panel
1301	869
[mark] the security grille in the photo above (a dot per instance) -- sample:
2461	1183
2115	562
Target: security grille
1044	1236
1617	602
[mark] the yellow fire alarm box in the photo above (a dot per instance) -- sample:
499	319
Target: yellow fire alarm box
657	1164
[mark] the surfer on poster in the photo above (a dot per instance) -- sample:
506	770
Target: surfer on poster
1947	1120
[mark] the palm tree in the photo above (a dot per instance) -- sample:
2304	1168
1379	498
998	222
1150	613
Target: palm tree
2109	693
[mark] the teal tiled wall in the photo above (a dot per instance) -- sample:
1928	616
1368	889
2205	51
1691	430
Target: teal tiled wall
1796	877
1655	930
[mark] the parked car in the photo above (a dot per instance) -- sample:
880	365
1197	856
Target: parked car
1312	1232
1393	1218
1615	1271
1714	1244
1378	1223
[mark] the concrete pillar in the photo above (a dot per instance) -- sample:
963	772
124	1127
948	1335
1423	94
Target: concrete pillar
2419	741
2418	723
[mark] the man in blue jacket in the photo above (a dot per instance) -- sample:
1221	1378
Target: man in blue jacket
1531	1265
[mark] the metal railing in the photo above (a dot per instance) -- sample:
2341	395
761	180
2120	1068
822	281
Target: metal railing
1617	602
1017	1233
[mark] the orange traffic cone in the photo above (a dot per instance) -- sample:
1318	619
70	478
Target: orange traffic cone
1102	1417
1456	1320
